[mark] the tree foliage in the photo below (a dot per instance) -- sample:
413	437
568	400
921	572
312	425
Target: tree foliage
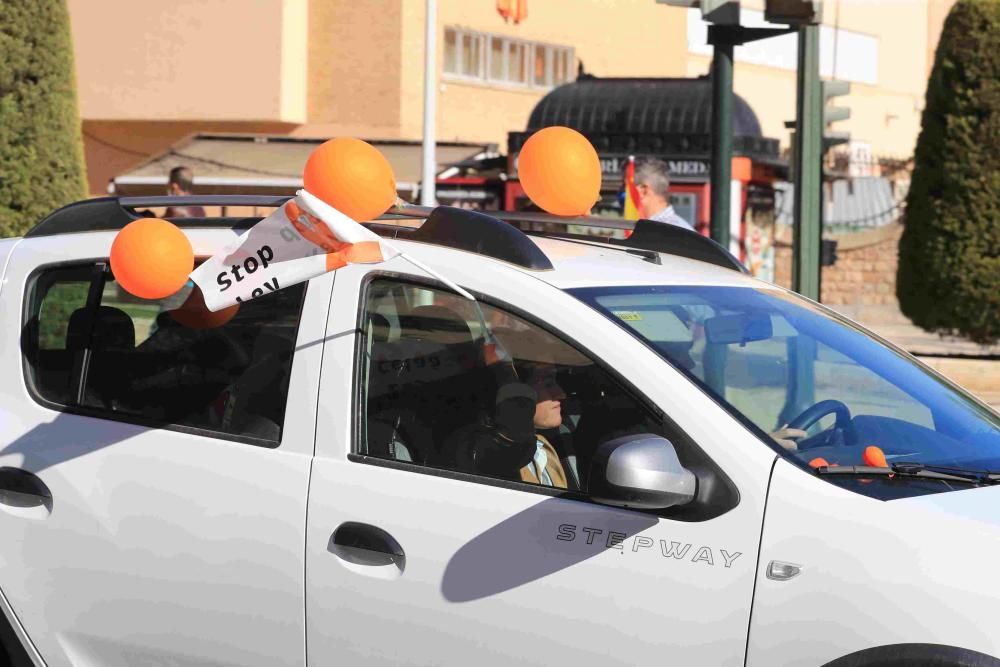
41	150
949	256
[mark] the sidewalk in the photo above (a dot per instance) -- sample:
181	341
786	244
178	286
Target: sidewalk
975	367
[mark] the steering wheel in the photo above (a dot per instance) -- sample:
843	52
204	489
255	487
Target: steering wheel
814	413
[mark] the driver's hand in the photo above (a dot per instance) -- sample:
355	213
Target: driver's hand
784	437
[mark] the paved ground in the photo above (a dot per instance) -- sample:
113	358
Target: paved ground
975	367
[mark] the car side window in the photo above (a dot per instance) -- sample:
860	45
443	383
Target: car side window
447	384
91	346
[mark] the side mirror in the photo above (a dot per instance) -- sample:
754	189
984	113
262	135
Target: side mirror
640	471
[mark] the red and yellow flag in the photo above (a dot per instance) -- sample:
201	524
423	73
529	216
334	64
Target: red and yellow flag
631	209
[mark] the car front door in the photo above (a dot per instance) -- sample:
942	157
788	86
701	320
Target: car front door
409	561
152	484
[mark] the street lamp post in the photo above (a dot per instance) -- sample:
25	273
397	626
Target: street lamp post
723	39
808	170
722	141
428	195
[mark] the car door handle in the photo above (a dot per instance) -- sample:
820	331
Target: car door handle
364	544
20	488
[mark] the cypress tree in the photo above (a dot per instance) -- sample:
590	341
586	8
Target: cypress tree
41	150
948	279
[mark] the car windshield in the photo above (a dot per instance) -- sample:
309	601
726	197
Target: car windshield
780	360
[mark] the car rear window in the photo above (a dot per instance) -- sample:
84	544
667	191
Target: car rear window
91	347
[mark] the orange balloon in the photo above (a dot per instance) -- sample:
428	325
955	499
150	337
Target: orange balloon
151	258
874	456
194	314
352	176
560	171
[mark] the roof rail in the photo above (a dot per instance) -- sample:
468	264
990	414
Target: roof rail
674	240
481	234
205	200
443	225
113	213
646	235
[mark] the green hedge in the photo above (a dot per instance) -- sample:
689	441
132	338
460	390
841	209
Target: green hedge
949	256
41	150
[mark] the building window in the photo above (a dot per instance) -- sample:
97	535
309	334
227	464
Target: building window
543	66
474	56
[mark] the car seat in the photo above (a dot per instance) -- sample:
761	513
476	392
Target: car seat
422	386
111	340
254	404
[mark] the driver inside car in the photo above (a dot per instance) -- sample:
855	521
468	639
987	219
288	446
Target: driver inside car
545	467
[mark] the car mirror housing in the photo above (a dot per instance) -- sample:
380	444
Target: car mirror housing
640	471
739	328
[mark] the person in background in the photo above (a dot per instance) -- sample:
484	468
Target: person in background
652	180
181	182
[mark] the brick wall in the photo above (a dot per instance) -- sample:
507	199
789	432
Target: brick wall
865	271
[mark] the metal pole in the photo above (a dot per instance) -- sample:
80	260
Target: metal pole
722	140
808	153
427	194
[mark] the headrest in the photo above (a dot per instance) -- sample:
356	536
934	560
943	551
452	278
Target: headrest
380	327
436	323
113	329
514	412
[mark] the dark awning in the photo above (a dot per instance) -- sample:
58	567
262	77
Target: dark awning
653	116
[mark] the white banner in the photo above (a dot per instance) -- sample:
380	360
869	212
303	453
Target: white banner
303	239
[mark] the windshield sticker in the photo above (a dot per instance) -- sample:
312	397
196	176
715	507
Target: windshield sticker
628	315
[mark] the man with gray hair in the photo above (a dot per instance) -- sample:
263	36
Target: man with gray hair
652	180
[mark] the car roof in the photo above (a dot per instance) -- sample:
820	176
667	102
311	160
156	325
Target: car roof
590	264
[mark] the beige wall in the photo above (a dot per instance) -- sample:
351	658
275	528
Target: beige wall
190	59
936	14
355	67
612	38
355	74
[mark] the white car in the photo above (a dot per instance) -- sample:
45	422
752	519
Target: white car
580	467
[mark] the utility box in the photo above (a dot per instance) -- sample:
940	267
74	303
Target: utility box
793	12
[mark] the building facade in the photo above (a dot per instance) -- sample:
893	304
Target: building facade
322	68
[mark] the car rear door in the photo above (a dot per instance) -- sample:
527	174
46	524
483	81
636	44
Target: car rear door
409	563
152	483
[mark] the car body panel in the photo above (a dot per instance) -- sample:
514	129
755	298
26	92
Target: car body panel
159	546
874	572
6	248
486	575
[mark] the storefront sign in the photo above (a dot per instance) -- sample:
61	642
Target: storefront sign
681	168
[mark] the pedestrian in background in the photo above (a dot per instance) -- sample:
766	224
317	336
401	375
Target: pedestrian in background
179	183
652	180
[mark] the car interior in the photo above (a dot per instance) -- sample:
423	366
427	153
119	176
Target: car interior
141	362
428	377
